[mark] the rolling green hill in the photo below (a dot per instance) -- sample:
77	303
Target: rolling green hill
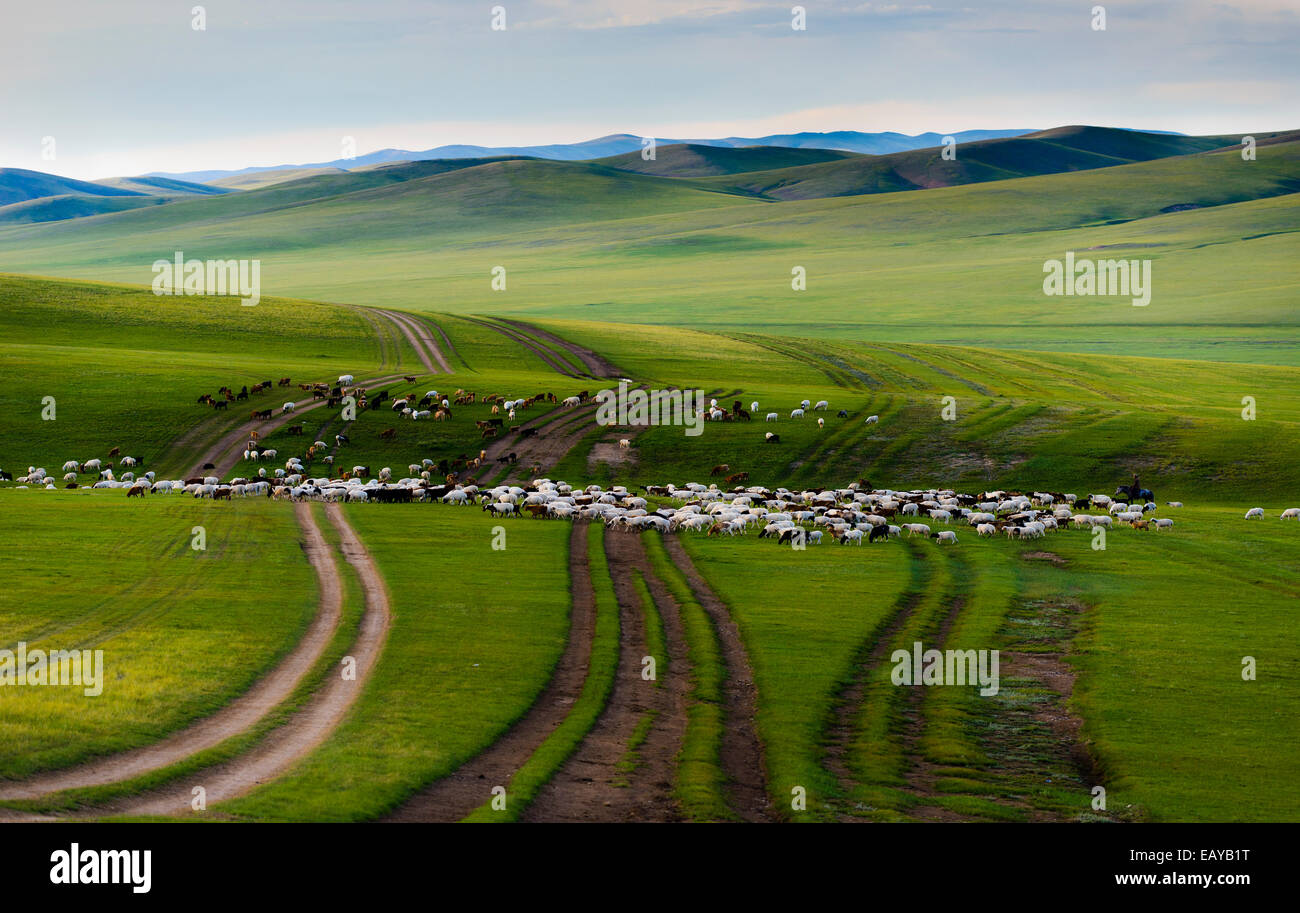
72	206
688	160
255	179
162	186
19	184
1047	152
953	265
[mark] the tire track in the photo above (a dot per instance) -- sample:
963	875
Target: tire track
420	338
514	335
456	795
236	717
847	704
595	365
225	454
307	728
742	751
590	786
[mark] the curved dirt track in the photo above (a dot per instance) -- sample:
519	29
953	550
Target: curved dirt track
742	751
598	783
226	453
459	793
236	717
847	704
421	339
515	336
305	729
595	365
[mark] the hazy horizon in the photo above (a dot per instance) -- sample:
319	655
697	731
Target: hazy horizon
133	87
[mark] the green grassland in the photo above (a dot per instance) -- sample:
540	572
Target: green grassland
958	264
183	631
682	280
473	642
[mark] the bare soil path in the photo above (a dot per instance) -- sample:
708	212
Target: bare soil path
595	365
540	351
598	783
420	337
236	717
742	751
307	728
457	795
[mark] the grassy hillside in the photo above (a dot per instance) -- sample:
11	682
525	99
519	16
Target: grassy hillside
18	184
71	206
1046	152
688	160
956	265
258	179
163	186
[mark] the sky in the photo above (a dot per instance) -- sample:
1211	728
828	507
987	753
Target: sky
93	89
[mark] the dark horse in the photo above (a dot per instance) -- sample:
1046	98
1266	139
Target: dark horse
1133	493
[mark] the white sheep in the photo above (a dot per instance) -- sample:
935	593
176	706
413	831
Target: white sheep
872	419
946	535
796	413
821	404
287	407
771	417
1255	512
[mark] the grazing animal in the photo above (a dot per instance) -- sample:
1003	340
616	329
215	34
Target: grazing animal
821	423
843	413
796	413
772	438
944	535
624	444
287	407
878	532
771	417
872	419
1291	513
388	434
1255	512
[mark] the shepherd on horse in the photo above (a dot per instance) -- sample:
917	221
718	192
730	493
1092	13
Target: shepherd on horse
1135	492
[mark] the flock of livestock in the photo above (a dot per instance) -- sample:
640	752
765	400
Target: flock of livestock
807	517
846	515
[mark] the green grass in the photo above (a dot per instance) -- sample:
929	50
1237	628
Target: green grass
183	631
701	782
469	650
950	265
546	761
801	649
350	617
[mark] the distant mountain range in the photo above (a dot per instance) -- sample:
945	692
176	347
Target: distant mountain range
618	144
